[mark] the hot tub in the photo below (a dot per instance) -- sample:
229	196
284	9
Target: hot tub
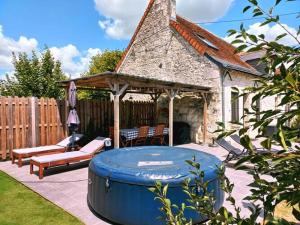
119	182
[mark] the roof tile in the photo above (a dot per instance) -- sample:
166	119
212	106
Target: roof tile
189	31
225	51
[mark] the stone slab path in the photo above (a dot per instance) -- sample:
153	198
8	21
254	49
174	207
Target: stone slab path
67	187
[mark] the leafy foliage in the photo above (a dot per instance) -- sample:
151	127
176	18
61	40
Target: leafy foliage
276	174
106	61
100	63
203	201
282	82
35	76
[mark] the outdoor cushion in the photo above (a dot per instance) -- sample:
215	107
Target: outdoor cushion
37	149
66	142
56	157
93	146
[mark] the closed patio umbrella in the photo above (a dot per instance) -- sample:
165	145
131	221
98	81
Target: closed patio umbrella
73	119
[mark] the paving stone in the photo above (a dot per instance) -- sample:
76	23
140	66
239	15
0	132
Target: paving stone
68	188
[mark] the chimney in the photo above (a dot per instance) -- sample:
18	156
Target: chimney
173	9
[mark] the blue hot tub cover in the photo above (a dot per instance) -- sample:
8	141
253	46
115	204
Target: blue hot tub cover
146	165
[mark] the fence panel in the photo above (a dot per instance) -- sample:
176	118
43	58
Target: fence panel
29	122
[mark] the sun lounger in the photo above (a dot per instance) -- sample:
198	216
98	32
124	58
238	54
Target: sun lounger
234	153
43	150
85	153
261	150
237	139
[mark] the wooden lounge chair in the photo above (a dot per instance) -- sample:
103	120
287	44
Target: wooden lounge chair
143	135
85	153
158	135
20	154
234	153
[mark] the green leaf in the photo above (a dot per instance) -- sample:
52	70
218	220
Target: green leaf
262	36
290	79
296	213
280	36
246	8
231	32
152	189
246	142
282	138
237	41
254	2
253	38
266	22
266	143
165	190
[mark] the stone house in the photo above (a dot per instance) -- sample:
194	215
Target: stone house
168	47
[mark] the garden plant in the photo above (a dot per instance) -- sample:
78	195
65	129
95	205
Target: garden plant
276	175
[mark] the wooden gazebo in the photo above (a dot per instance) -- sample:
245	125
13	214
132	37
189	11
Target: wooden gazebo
119	84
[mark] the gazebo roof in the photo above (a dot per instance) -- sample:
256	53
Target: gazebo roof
136	84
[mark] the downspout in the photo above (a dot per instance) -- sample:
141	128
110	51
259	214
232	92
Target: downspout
223	76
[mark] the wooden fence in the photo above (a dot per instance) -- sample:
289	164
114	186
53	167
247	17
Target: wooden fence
29	122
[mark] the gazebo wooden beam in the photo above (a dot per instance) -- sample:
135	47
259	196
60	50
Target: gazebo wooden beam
155	98
117	92
205	117
172	94
119	83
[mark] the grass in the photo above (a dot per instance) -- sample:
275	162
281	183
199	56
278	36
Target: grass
21	206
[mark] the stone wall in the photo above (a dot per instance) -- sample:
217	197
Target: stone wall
187	109
160	52
238	80
241	80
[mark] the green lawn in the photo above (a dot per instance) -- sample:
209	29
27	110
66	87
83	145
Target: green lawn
21	206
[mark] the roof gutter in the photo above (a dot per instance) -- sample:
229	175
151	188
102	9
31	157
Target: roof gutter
230	66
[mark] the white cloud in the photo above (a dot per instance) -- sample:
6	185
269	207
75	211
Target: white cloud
9	45
203	10
271	32
73	61
122	16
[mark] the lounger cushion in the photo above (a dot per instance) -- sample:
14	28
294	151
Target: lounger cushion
37	149
67	141
57	157
94	146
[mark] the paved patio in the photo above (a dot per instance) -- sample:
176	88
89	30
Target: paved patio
67	187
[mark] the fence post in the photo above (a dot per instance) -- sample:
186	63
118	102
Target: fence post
33	121
10	126
3	127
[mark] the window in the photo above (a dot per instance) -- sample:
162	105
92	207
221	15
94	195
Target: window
208	43
235	116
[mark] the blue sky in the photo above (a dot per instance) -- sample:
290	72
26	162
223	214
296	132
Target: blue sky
77	29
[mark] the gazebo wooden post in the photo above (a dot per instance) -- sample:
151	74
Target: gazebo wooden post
205	119
155	98
117	92
171	93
